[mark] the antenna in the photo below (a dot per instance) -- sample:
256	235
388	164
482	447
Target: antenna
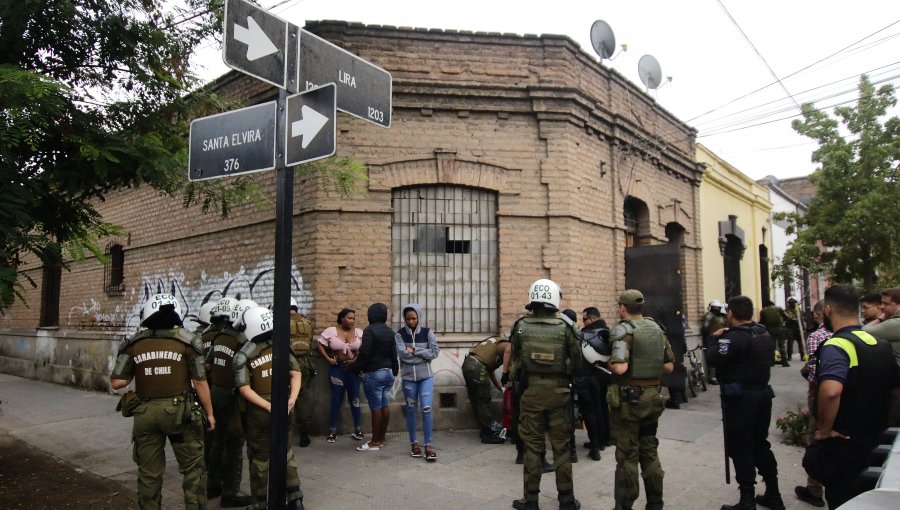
649	71
602	39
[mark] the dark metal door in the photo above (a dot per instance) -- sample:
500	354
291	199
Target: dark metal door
656	272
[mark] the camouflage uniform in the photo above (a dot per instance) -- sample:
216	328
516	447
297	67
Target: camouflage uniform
481	361
546	354
636	406
225	458
162	363
772	317
253	367
301	346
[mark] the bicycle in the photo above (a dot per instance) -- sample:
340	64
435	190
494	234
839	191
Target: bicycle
696	374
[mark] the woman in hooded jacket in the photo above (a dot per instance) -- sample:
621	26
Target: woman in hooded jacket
377	362
416	347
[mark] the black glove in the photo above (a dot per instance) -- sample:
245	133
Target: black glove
504	378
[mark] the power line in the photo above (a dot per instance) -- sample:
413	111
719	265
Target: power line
771	71
845	48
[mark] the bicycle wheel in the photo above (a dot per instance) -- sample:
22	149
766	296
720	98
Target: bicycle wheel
692	382
702	374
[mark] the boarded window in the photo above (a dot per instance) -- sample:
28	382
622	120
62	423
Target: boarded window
444	248
114	272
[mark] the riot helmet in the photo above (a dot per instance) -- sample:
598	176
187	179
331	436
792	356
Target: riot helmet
259	323
545	292
158	305
237	313
222	310
204	317
715	303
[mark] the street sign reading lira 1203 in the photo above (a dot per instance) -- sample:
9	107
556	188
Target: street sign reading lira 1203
363	89
236	142
256	42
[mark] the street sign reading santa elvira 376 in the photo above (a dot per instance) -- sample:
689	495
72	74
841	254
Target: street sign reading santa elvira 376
256	42
235	142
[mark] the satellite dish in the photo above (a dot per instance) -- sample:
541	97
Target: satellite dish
649	71
602	39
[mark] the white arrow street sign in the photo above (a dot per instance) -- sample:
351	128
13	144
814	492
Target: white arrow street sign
258	45
309	126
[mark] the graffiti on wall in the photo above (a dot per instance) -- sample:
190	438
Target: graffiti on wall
256	283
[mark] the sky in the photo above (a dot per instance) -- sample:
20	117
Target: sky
724	69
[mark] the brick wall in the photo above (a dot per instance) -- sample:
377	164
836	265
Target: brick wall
561	139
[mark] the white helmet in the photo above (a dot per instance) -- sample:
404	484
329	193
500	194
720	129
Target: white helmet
294	303
204	317
544	291
715	303
155	304
259	323
237	311
223	308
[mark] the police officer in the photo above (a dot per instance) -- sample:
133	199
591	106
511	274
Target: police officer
713	320
546	354
301	347
253	378
478	370
856	375
743	354
772	317
163	360
204	319
593	379
641	354
794	326
225	458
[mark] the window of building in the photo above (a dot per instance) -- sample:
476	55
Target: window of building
114	271
637	222
445	257
51	278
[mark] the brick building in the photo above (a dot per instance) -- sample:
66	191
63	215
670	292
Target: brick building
510	158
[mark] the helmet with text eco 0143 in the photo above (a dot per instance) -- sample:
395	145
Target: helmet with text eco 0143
715	303
259	323
223	309
544	291
205	315
237	313
156	303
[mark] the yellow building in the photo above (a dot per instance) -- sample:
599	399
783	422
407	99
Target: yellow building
735	232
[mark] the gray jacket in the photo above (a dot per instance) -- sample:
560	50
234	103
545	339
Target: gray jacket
416	365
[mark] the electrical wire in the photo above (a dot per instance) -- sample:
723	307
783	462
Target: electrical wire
845	48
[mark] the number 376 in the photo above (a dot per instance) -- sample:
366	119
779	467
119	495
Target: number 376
232	164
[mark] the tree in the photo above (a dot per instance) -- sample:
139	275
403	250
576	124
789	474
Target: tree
96	96
851	226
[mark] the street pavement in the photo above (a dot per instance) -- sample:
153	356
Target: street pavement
83	428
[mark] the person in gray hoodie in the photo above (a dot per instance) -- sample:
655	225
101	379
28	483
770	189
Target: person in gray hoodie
416	347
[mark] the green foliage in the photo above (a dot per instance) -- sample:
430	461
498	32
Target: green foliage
97	95
850	229
795	426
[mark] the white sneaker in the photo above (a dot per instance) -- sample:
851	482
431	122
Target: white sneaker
367	447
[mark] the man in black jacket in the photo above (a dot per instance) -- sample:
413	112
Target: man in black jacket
742	355
593	379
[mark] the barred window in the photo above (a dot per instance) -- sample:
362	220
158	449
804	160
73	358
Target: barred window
444	251
114	271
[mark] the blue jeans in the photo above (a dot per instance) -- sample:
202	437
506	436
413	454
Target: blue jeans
377	385
419	393
342	380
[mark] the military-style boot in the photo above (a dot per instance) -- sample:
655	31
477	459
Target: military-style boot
746	502
238	499
521	504
296	504
772	497
488	436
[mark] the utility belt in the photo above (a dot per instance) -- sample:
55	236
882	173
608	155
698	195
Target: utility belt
187	407
618	394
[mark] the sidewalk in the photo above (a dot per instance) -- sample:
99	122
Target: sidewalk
83	428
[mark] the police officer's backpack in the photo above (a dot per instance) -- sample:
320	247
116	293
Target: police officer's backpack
301	335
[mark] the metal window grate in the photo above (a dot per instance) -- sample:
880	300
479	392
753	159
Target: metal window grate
114	271
444	248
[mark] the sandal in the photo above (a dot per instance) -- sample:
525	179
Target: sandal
331	438
415	451
368	447
430	454
358	435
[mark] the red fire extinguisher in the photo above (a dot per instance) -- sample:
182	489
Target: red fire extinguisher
507	408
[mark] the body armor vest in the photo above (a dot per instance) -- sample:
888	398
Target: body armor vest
544	346
770	317
712	323
648	349
208	336
487	353
221	357
301	335
261	369
161	366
